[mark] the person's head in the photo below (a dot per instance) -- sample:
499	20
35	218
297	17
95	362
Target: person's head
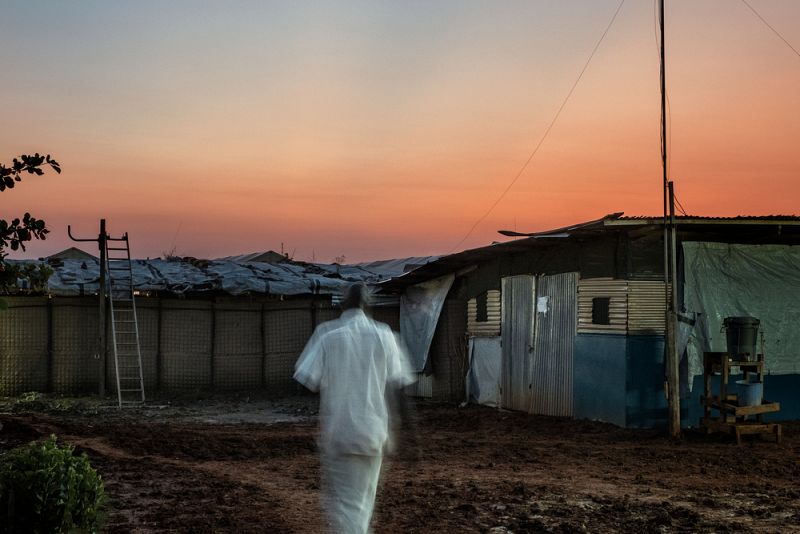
356	296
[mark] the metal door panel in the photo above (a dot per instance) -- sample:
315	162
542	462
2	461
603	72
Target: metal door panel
551	367
517	336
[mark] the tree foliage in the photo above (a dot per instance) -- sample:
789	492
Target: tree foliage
45	487
16	232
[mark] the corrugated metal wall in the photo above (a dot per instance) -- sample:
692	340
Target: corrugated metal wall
553	346
635	307
517	339
616	291
490	327
646	307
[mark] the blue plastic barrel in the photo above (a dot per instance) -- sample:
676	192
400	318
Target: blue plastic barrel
749	393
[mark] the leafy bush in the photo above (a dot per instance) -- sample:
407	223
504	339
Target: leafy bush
46	488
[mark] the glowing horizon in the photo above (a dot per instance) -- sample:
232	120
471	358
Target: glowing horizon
379	129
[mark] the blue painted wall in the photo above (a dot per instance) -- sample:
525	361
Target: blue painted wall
784	389
620	379
599	378
646	404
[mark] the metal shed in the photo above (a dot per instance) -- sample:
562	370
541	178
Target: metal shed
602	357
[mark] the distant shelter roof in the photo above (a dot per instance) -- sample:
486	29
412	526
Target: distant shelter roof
72	253
270	256
182	276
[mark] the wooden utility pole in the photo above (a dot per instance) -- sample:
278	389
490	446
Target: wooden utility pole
670	263
673	370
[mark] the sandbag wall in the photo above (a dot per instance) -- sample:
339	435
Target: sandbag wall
224	343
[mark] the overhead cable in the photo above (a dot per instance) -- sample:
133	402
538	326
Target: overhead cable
776	32
544	136
680	206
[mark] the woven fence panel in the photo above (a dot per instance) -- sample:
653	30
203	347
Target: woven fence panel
147	318
278	371
23	346
75	368
186	345
286	332
327	314
237	347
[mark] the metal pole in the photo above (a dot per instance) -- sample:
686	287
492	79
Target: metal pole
664	148
101	306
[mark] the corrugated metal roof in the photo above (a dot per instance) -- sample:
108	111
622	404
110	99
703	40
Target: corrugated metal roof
699	219
564	231
397	266
472	257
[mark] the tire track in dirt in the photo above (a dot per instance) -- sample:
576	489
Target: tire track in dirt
292	498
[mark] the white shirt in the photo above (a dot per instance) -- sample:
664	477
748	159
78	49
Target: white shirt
350	361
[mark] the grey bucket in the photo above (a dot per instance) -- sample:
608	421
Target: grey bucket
741	334
749	393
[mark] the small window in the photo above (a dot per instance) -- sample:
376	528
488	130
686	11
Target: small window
600	314
481	312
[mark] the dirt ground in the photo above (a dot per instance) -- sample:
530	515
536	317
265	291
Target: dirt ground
251	465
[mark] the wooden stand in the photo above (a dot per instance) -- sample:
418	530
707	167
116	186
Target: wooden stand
733	418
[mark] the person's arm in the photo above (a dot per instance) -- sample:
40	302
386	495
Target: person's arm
308	369
401	406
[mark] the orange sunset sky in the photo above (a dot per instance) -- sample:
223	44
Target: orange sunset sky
377	129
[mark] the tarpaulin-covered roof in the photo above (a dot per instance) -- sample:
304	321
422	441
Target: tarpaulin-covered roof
189	275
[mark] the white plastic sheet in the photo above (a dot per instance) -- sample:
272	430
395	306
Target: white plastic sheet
761	281
420	307
483	379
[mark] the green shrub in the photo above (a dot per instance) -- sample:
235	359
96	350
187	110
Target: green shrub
45	488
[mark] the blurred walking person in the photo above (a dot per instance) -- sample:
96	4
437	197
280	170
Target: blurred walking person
355	363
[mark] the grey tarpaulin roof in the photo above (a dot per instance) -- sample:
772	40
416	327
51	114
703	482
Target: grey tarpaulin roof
80	277
396	267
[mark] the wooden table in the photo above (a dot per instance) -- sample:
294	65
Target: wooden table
731	417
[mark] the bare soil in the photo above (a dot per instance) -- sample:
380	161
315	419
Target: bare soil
208	468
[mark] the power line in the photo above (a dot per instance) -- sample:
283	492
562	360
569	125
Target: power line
776	32
680	206
546	133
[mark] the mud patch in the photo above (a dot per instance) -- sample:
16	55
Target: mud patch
469	469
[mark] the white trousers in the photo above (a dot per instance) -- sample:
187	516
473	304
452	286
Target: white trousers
349	483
